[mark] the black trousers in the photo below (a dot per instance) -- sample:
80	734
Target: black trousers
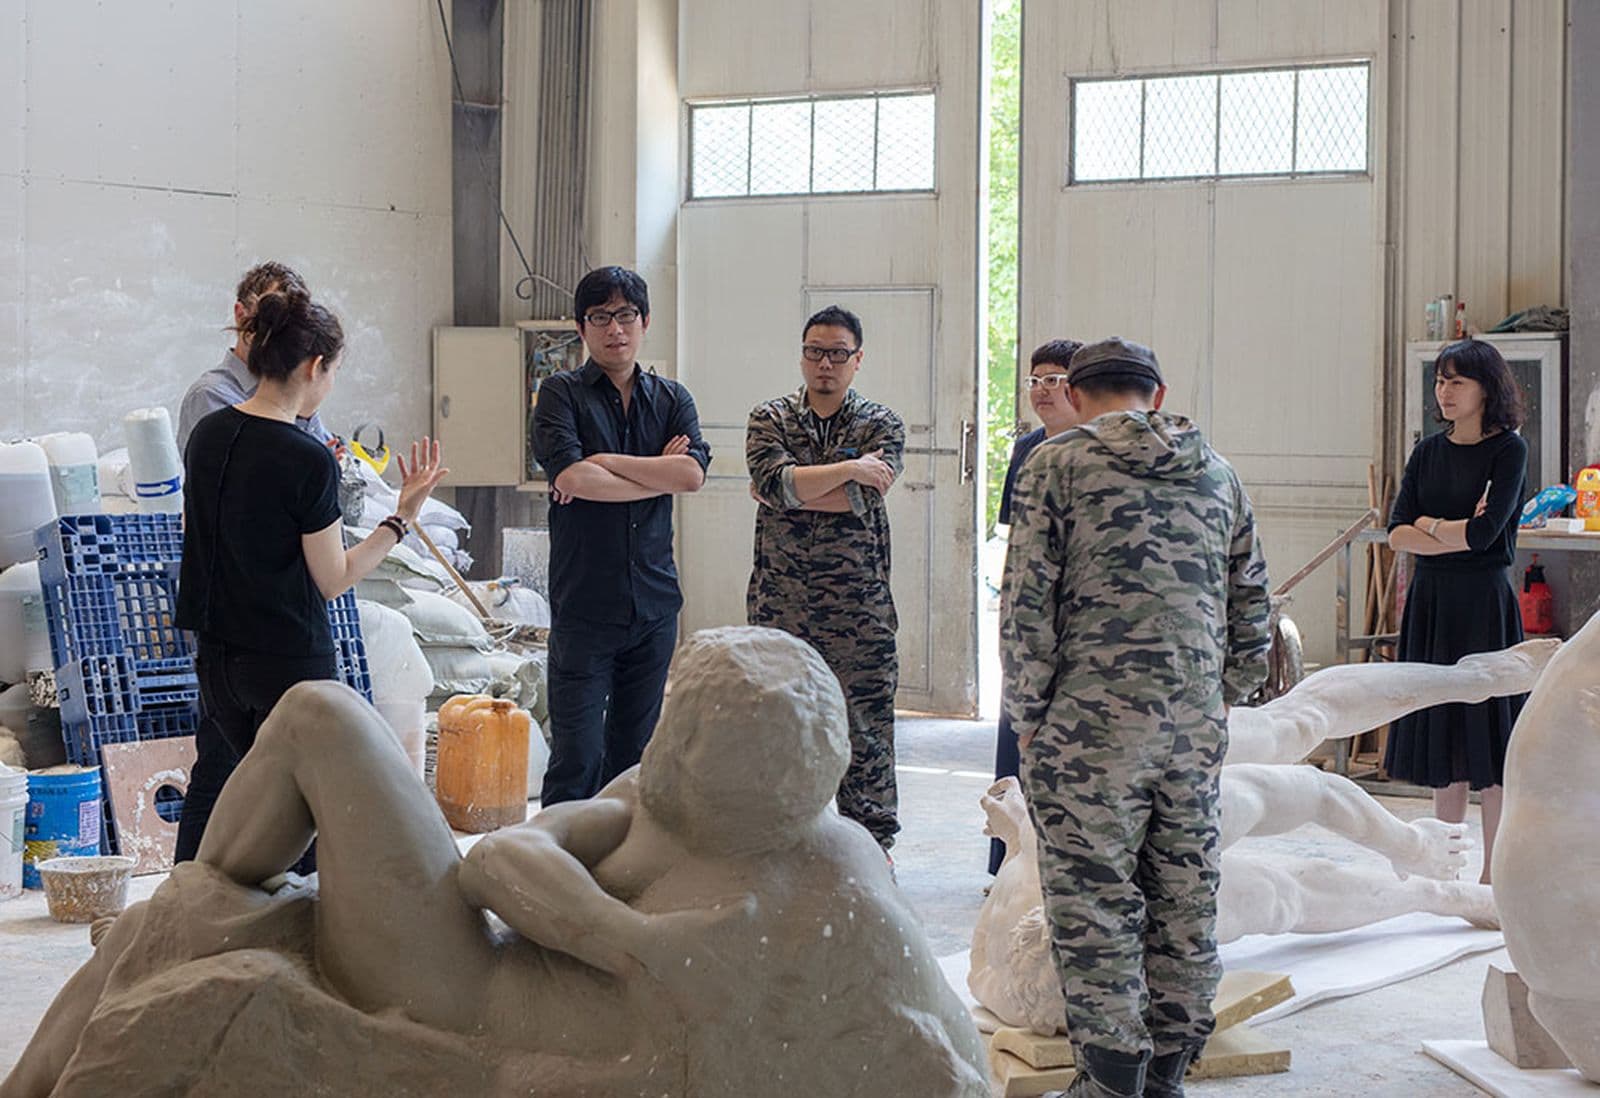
237	690
605	698
1007	761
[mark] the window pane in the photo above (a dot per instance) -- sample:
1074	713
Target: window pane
842	152
780	148
1180	126
1105	130
1256	116
1333	120
905	143
721	137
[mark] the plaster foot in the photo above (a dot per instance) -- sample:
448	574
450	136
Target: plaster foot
1473	902
1437	849
1515	669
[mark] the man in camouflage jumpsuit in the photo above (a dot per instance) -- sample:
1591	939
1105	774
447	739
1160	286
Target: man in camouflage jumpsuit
820	462
1135	612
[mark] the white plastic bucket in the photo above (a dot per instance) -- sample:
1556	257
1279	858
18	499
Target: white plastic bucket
13	826
74	472
26	500
407	720
153	457
24	634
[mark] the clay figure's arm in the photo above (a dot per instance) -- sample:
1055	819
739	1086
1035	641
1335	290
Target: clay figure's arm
537	878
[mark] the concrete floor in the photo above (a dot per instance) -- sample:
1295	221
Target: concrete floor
1365	1045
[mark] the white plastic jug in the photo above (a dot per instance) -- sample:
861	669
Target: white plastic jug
24	636
74	476
153	456
26	501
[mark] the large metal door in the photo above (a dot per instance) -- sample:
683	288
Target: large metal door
751	269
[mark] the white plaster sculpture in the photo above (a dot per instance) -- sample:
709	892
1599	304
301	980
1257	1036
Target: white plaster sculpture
1262	793
703	928
1546	867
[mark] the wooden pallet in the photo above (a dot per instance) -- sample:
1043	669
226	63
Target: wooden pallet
1026	1064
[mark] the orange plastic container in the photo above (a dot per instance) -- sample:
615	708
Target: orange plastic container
1587	506
482	774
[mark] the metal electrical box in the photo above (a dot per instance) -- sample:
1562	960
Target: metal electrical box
485	385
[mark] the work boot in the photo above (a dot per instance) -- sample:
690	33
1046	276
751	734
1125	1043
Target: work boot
1165	1077
1107	1073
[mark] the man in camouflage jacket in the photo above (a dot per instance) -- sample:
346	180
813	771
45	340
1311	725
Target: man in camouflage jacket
1134	613
820	462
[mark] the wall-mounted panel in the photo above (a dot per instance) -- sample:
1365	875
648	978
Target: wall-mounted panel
13	61
1295	30
127	296
907	226
141	93
1484	163
883	44
715	526
13	351
725	49
351	94
1107	37
367	266
1535	271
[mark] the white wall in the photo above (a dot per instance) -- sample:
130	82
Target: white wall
150	153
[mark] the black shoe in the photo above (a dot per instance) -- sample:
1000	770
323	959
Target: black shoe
1107	1073
1165	1077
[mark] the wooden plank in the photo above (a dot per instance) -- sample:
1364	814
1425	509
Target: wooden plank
134	772
1239	1051
1037	1051
1015	1079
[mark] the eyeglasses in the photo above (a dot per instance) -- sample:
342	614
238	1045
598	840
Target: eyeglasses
1049	381
602	319
836	355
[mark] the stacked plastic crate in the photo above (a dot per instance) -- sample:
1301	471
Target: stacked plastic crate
124	670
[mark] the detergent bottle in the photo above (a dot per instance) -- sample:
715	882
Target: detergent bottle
1537	604
1587	506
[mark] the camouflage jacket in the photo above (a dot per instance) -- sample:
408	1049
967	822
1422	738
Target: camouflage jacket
1134	582
803	557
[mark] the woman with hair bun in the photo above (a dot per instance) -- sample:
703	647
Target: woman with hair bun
263	544
1456	512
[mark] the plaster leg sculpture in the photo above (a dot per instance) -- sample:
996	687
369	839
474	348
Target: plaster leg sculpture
1546	867
1012	973
704	927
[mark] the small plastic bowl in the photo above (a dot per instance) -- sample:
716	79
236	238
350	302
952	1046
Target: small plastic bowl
83	889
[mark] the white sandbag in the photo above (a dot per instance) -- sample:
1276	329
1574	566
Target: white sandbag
383	591
24	635
402	565
11	751
383	496
399	670
445	538
456	671
509	602
438	621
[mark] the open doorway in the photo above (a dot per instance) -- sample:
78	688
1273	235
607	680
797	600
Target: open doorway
1003	73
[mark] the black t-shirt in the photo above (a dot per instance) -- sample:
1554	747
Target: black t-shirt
1445	480
251	488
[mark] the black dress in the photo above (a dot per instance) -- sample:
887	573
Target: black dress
1459	604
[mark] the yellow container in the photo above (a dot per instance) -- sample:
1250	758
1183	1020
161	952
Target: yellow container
482	776
1587	506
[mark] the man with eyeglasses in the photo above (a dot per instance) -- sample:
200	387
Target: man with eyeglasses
617	443
821	460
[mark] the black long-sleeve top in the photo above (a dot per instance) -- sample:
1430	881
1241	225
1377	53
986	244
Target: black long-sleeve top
1445	480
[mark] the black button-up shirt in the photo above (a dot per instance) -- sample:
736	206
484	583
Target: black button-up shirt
611	562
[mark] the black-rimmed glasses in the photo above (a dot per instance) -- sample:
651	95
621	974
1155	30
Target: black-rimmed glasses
836	355
602	319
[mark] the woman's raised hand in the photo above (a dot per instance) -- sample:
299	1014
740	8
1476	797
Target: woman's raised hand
419	478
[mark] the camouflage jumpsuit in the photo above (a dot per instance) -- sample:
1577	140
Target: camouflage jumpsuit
1135	606
824	577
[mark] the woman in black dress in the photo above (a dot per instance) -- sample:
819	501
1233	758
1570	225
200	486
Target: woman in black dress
263	544
1457	514
1047	393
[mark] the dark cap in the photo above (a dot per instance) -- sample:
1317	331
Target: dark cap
1114	358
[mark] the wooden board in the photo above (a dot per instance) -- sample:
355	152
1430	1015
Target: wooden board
1015	1079
1240	995
133	773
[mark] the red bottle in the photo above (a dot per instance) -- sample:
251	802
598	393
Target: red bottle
1537	603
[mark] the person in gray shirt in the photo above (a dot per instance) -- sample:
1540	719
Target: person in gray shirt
230	382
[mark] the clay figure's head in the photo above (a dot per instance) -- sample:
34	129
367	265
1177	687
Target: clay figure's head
1006	813
752	742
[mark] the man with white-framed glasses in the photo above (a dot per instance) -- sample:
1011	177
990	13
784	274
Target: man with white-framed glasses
821	460
617	442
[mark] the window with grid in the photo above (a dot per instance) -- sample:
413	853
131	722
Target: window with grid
812	145
1310	120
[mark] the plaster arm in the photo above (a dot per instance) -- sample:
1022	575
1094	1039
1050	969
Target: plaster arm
536	877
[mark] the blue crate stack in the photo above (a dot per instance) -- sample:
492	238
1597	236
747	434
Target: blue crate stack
124	670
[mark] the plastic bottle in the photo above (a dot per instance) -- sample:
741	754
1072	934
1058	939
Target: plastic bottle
74	472
482	775
1537	604
1587	505
1461	320
26	500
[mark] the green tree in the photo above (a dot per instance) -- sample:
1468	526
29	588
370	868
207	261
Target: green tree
1005	75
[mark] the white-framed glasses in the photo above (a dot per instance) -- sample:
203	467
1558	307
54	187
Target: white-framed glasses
1051	382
